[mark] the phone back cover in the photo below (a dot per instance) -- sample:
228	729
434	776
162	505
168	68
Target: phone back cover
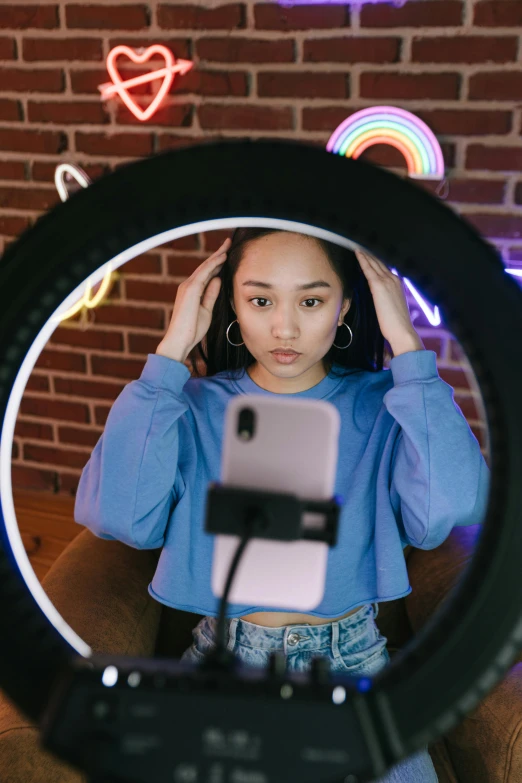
294	449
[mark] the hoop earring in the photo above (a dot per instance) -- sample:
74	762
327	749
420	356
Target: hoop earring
342	347
236	345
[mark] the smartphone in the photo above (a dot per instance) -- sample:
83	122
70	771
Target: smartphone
284	445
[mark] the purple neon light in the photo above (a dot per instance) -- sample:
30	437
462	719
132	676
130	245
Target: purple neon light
433	314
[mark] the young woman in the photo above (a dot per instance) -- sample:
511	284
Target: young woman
409	467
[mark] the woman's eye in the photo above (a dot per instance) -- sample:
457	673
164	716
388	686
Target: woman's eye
262	299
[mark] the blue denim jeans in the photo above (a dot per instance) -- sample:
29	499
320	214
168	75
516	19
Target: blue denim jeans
353	645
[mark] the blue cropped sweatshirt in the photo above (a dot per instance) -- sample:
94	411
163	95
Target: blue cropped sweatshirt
409	470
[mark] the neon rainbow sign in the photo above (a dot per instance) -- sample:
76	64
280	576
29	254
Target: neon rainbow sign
398	128
120	87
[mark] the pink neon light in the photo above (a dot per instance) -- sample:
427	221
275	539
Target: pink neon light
120	87
392	143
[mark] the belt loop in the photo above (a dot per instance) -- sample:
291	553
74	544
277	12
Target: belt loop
232	633
335	638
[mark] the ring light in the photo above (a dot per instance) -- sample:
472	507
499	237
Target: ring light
353	203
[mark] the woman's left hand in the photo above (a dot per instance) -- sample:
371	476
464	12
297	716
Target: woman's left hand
390	302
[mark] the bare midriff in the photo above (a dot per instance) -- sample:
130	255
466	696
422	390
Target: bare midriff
278	619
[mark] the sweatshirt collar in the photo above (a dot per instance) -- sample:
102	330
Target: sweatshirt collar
246	385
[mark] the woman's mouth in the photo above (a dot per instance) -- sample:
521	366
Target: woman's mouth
285	358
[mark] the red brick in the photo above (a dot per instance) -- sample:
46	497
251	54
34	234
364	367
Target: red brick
212	240
463	122
55	409
379	85
477	191
117	144
245	50
175	115
171	141
87	81
325	118
496	226
494	158
109	366
67	112
271	16
44	172
67	484
465	49
302	84
468	406
245	117
456	377
182	266
7	48
180	47
498	13
61	360
515	254
145	264
11	110
194	17
424	13
49	142
190	242
12	169
518	193
24	477
23	17
385	155
497	86
202	82
143	343
13	225
38	382
433	344
62	49
352	50
33	80
147	291
89	338
77	436
480	432
33	429
28	198
107	17
101	412
87	388
35	453
126	315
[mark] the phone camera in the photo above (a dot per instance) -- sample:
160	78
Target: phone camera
246	421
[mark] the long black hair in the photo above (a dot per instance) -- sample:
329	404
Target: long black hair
366	351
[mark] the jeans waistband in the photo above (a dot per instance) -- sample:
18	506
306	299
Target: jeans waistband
307	636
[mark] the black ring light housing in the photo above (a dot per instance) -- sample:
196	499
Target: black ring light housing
476	635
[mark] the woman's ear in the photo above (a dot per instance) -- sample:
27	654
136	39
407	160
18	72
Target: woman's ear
232	305
345	308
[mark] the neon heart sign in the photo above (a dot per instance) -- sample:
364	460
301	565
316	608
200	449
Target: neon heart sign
120	87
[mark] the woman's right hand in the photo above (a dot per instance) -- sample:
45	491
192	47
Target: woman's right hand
193	306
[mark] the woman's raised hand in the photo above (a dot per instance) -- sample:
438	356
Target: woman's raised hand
193	306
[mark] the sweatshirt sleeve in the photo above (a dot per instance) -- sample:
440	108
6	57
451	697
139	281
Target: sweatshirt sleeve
132	480
439	478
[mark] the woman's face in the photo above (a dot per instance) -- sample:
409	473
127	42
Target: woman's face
276	310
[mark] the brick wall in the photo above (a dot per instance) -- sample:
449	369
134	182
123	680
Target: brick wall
260	70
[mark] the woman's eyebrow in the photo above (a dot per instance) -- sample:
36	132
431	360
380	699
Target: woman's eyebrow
315	284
